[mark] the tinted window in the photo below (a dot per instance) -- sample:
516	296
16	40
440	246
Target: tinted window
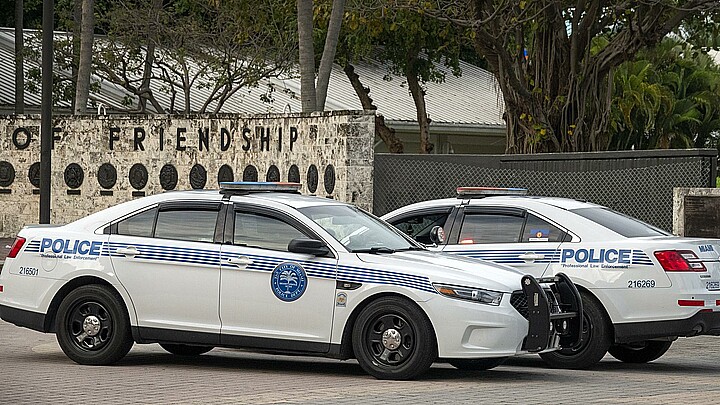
418	227
539	230
624	225
255	230
491	228
138	225
190	225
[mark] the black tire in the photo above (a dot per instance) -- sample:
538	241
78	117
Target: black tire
640	352
596	339
93	327
409	347
185	350
477	364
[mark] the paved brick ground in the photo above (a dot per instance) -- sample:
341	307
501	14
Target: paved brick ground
34	370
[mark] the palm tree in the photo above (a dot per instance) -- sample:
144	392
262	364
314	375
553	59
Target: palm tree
288	279
668	98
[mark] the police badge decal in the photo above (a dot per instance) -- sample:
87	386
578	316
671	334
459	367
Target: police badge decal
288	281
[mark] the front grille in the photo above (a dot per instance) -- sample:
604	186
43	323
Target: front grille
519	302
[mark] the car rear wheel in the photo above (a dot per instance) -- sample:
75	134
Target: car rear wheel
477	364
640	352
393	339
185	350
595	339
93	326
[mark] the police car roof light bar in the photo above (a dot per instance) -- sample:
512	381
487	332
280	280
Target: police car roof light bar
480	192
248	187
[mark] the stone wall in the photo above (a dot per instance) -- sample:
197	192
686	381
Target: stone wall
101	161
696	212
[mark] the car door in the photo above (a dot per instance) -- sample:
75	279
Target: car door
166	258
269	297
511	236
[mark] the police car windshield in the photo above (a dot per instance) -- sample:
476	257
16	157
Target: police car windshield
358	231
624	225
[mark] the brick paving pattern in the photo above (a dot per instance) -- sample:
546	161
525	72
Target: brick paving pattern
35	371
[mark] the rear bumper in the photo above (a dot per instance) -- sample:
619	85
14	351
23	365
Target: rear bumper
702	323
24	318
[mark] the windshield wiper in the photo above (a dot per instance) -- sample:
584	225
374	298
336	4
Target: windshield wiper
410	248
375	250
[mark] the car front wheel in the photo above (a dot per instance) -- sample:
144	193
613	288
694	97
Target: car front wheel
393	339
595	339
640	352
93	326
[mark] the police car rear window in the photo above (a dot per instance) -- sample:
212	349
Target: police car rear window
622	224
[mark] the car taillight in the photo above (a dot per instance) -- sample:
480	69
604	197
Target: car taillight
679	260
17	245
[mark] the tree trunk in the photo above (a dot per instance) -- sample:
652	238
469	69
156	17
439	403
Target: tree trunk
19	69
556	82
385	133
307	55
77	27
145	92
82	91
418	95
328	56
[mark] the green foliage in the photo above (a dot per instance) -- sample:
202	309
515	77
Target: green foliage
668	98
32	13
405	40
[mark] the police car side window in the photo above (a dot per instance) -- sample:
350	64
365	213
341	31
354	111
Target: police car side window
138	225
539	230
262	231
418	227
189	225
490	228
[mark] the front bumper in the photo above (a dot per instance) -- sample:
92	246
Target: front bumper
470	330
553	312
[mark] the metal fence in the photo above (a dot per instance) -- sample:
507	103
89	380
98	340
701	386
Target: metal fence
638	183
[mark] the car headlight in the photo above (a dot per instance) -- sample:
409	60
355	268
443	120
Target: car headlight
470	294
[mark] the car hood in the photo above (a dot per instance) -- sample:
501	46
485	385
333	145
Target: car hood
451	269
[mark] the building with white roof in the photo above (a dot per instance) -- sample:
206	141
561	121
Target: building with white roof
466	112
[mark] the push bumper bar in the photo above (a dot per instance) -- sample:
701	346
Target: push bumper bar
554	313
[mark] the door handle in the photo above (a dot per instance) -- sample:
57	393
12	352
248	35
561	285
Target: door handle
128	251
240	261
530	256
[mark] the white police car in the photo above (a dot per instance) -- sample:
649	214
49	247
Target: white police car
641	287
258	266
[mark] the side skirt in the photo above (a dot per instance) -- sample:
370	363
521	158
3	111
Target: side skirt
279	346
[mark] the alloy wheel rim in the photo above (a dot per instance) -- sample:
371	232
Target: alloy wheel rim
390	340
90	326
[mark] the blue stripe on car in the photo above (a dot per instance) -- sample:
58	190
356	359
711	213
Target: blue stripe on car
318	269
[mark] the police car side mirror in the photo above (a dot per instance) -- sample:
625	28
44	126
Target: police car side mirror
308	246
437	235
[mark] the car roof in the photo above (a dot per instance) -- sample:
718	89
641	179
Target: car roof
101	218
564	203
290	199
525	201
